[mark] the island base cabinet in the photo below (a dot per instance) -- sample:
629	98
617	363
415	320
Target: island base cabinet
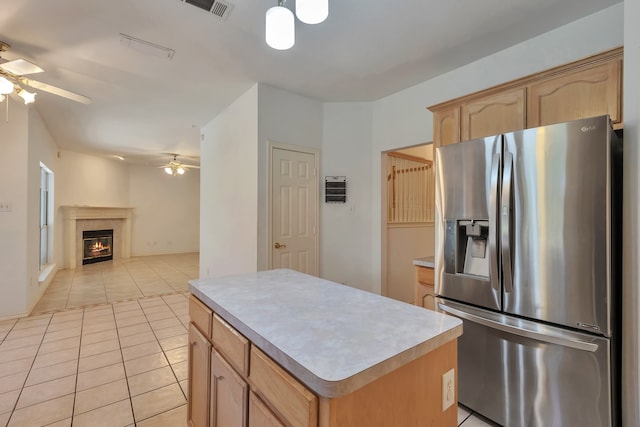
232	383
198	384
260	415
400	398
228	395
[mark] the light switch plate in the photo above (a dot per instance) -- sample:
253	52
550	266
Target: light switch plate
448	389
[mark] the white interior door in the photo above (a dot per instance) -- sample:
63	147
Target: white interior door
294	208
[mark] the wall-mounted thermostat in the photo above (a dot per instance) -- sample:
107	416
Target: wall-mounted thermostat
335	189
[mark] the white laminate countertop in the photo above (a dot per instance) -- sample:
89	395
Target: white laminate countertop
425	262
332	337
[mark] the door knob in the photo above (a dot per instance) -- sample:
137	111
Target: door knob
278	245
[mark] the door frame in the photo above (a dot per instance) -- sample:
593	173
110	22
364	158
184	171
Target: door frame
316	157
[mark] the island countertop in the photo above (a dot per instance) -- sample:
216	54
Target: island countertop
332	337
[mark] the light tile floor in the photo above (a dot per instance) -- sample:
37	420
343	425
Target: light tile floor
107	346
119	280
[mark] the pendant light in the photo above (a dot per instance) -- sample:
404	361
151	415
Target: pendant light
312	11
280	27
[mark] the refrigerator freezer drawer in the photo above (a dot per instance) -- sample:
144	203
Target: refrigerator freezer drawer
518	376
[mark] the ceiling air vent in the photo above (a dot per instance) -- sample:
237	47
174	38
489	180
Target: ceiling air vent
219	8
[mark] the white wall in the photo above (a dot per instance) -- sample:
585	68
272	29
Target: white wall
404	244
285	118
229	183
166	218
631	213
13	224
42	148
346	229
25	143
85	179
166	209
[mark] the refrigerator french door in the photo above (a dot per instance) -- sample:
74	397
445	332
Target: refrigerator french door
528	231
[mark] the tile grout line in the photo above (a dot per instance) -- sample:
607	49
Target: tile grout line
165	356
29	371
124	367
66	303
160	345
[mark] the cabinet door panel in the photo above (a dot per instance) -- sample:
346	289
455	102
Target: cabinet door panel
586	93
424	296
198	385
446	127
493	114
260	415
228	395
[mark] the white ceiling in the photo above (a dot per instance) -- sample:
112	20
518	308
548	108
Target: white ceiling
144	106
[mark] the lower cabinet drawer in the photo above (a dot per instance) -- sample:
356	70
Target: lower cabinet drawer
287	397
425	275
231	344
260	415
200	315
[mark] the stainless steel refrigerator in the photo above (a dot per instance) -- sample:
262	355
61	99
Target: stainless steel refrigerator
528	226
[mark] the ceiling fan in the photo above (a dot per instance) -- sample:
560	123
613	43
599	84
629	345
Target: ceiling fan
175	167
12	78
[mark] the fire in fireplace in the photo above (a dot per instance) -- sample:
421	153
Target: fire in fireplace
97	246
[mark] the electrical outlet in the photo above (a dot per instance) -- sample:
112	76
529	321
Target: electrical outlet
5	207
448	389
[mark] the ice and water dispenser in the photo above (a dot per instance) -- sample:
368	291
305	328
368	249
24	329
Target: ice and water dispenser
466	248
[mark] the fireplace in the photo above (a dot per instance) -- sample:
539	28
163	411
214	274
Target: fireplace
97	246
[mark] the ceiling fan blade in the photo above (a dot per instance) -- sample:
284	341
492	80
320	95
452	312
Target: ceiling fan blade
20	67
55	90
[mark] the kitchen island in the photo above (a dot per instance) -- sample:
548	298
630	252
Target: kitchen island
281	348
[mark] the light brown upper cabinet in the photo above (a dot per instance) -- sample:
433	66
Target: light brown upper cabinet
493	114
585	93
586	88
446	126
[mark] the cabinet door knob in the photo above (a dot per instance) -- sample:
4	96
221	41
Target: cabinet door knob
279	245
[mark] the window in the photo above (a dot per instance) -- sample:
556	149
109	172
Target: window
46	216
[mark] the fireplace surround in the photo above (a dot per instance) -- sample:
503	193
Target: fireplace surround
83	218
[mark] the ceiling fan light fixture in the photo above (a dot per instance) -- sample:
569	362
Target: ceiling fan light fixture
280	27
168	170
28	97
180	170
312	11
6	87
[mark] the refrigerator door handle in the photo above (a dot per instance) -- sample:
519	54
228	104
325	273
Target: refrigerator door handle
515	330
505	222
493	222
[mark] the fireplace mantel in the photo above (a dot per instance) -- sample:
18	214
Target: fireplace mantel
73	214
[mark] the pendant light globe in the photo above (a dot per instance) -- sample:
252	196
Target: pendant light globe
280	28
312	11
